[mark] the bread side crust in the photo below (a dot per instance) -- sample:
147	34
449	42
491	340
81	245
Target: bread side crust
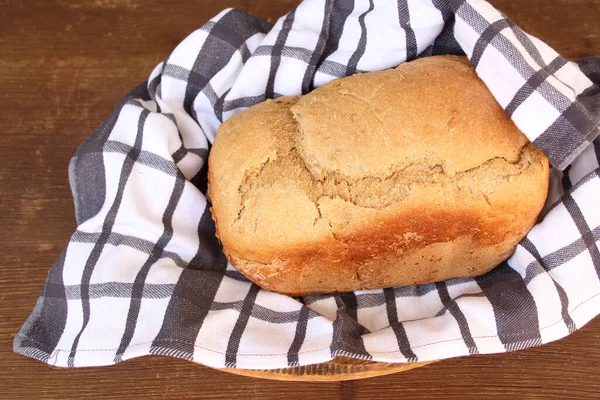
420	244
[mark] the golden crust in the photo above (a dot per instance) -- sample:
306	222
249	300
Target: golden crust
411	175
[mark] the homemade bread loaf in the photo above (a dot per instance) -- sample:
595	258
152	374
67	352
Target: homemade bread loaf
404	176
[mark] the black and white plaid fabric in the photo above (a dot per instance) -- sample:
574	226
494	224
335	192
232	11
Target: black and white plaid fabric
144	273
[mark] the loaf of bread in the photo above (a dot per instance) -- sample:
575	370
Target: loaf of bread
398	177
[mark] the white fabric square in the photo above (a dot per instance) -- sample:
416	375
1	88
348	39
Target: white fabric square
478	313
288	80
185	53
73	325
582	289
428	335
549	307
272	340
118	264
108	312
149	323
373	318
548	240
383	34
426	21
160	136
127	120
306	28
418	307
211	342
571	73
315	348
164	272
491	65
76	255
325	307
145	198
380	345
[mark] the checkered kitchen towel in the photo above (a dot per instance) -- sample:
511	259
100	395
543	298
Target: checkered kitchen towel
144	274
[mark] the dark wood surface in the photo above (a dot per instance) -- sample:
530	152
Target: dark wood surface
64	64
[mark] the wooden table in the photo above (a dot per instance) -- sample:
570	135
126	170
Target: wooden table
64	65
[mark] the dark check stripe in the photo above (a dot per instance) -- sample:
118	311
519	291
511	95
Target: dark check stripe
348	302
445	42
107	226
263	313
565	254
155	255
299	337
444	8
526	42
176	71
533	83
87	175
564	300
362	42
115	290
347	332
200	152
533	51
564	136
226	37
329	67
568	133
490	35
210	94
458	315
144	157
584	229
591	68
179	154
368	300
119	239
514	307
45	326
194	294
157	291
341	11
245	102
152	86
411	39
456	5
317	54
182	151
220	105
486	38
286	27
597	149
445	308
200	180
566	179
240	325
397	327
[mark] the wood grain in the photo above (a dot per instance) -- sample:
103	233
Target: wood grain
65	64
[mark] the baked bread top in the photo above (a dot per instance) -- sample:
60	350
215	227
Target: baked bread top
295	172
